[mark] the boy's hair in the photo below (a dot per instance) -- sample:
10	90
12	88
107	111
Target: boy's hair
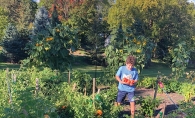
131	60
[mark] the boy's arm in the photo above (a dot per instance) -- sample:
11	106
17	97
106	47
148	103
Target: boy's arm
119	80
135	81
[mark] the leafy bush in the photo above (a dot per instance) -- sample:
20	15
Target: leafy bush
148	105
173	85
25	96
187	90
147	82
170	86
84	82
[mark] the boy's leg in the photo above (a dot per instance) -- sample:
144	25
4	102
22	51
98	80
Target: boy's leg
120	96
132	106
132	103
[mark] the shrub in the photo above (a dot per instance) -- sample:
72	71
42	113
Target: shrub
148	105
147	82
187	90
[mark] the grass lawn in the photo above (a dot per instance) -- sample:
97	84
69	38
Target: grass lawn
3	66
155	68
81	64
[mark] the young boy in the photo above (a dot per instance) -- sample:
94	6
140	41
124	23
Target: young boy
127	76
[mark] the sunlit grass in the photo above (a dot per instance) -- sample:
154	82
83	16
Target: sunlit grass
81	63
9	65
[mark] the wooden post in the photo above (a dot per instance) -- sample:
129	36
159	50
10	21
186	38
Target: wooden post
93	91
69	76
74	86
36	86
156	88
164	108
161	112
9	87
85	91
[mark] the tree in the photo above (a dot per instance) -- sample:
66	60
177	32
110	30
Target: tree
5	3
50	46
14	43
41	23
21	13
65	6
90	20
26	13
3	22
164	22
46	3
54	17
91	23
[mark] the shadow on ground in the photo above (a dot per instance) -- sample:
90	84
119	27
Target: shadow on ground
126	112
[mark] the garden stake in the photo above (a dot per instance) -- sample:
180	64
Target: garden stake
13	77
93	92
8	87
170	98
156	87
36	86
162	87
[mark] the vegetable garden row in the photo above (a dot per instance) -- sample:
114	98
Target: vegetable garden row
30	93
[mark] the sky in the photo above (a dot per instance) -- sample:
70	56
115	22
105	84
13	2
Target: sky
37	1
192	1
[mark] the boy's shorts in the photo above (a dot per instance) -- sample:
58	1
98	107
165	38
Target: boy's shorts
122	94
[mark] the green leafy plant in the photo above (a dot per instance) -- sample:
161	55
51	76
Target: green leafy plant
52	50
147	82
187	90
84	82
170	85
79	105
123	43
148	105
173	85
180	55
24	97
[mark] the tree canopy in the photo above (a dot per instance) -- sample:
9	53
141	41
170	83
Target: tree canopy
162	24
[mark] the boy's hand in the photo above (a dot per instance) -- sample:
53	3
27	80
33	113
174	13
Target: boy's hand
131	82
125	81
122	82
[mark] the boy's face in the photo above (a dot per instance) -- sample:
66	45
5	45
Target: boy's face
129	66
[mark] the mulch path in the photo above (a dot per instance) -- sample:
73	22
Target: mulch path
165	99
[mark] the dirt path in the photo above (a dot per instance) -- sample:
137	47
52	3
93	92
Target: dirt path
165	98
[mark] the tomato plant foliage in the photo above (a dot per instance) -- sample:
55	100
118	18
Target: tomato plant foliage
32	93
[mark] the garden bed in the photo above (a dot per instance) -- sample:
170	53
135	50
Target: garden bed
170	106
